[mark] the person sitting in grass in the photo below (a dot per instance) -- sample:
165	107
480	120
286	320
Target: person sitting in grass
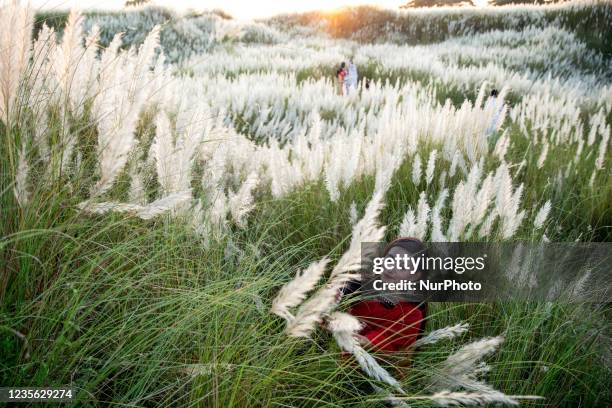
392	320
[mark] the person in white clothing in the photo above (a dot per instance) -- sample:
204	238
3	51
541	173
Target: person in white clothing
496	107
351	80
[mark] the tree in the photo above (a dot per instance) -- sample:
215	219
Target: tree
435	3
135	3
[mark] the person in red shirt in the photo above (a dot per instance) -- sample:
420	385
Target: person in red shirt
340	75
392	321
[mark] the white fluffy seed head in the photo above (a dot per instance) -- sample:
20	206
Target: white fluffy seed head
541	216
431	167
20	188
448	332
343	322
462	368
416	170
242	202
15	43
294	292
451	399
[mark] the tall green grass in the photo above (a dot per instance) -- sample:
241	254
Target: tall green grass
142	313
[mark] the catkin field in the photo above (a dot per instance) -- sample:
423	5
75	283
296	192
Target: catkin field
164	175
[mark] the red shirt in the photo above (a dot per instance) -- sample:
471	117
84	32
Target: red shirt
389	329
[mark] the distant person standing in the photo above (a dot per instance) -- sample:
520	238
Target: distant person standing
352	78
496	108
340	77
492	101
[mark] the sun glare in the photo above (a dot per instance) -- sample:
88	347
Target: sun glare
481	3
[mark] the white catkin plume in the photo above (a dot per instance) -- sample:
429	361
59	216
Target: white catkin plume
15	44
146	212
423	211
464	205
331	182
137	193
513	270
196	220
543	156
461	212
408	225
568	170
165	204
487	225
592	179
483	200
109	206
218	209
294	292
579	150
196	370
117	107
67	64
461	370
454	164
324	300
162	149
366	230
451	399
38	89
522	165
442	179
431	167
343	322
541	216
436	227
343	326
177	163
353	215
416	225
481	95
311	312
68	55
507	202
579	287
21	178
603	148
449	332
241	203
436	221
371	367
386	167
390	398
501	147
416	170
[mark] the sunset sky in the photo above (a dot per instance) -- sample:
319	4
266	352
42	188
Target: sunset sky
237	8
